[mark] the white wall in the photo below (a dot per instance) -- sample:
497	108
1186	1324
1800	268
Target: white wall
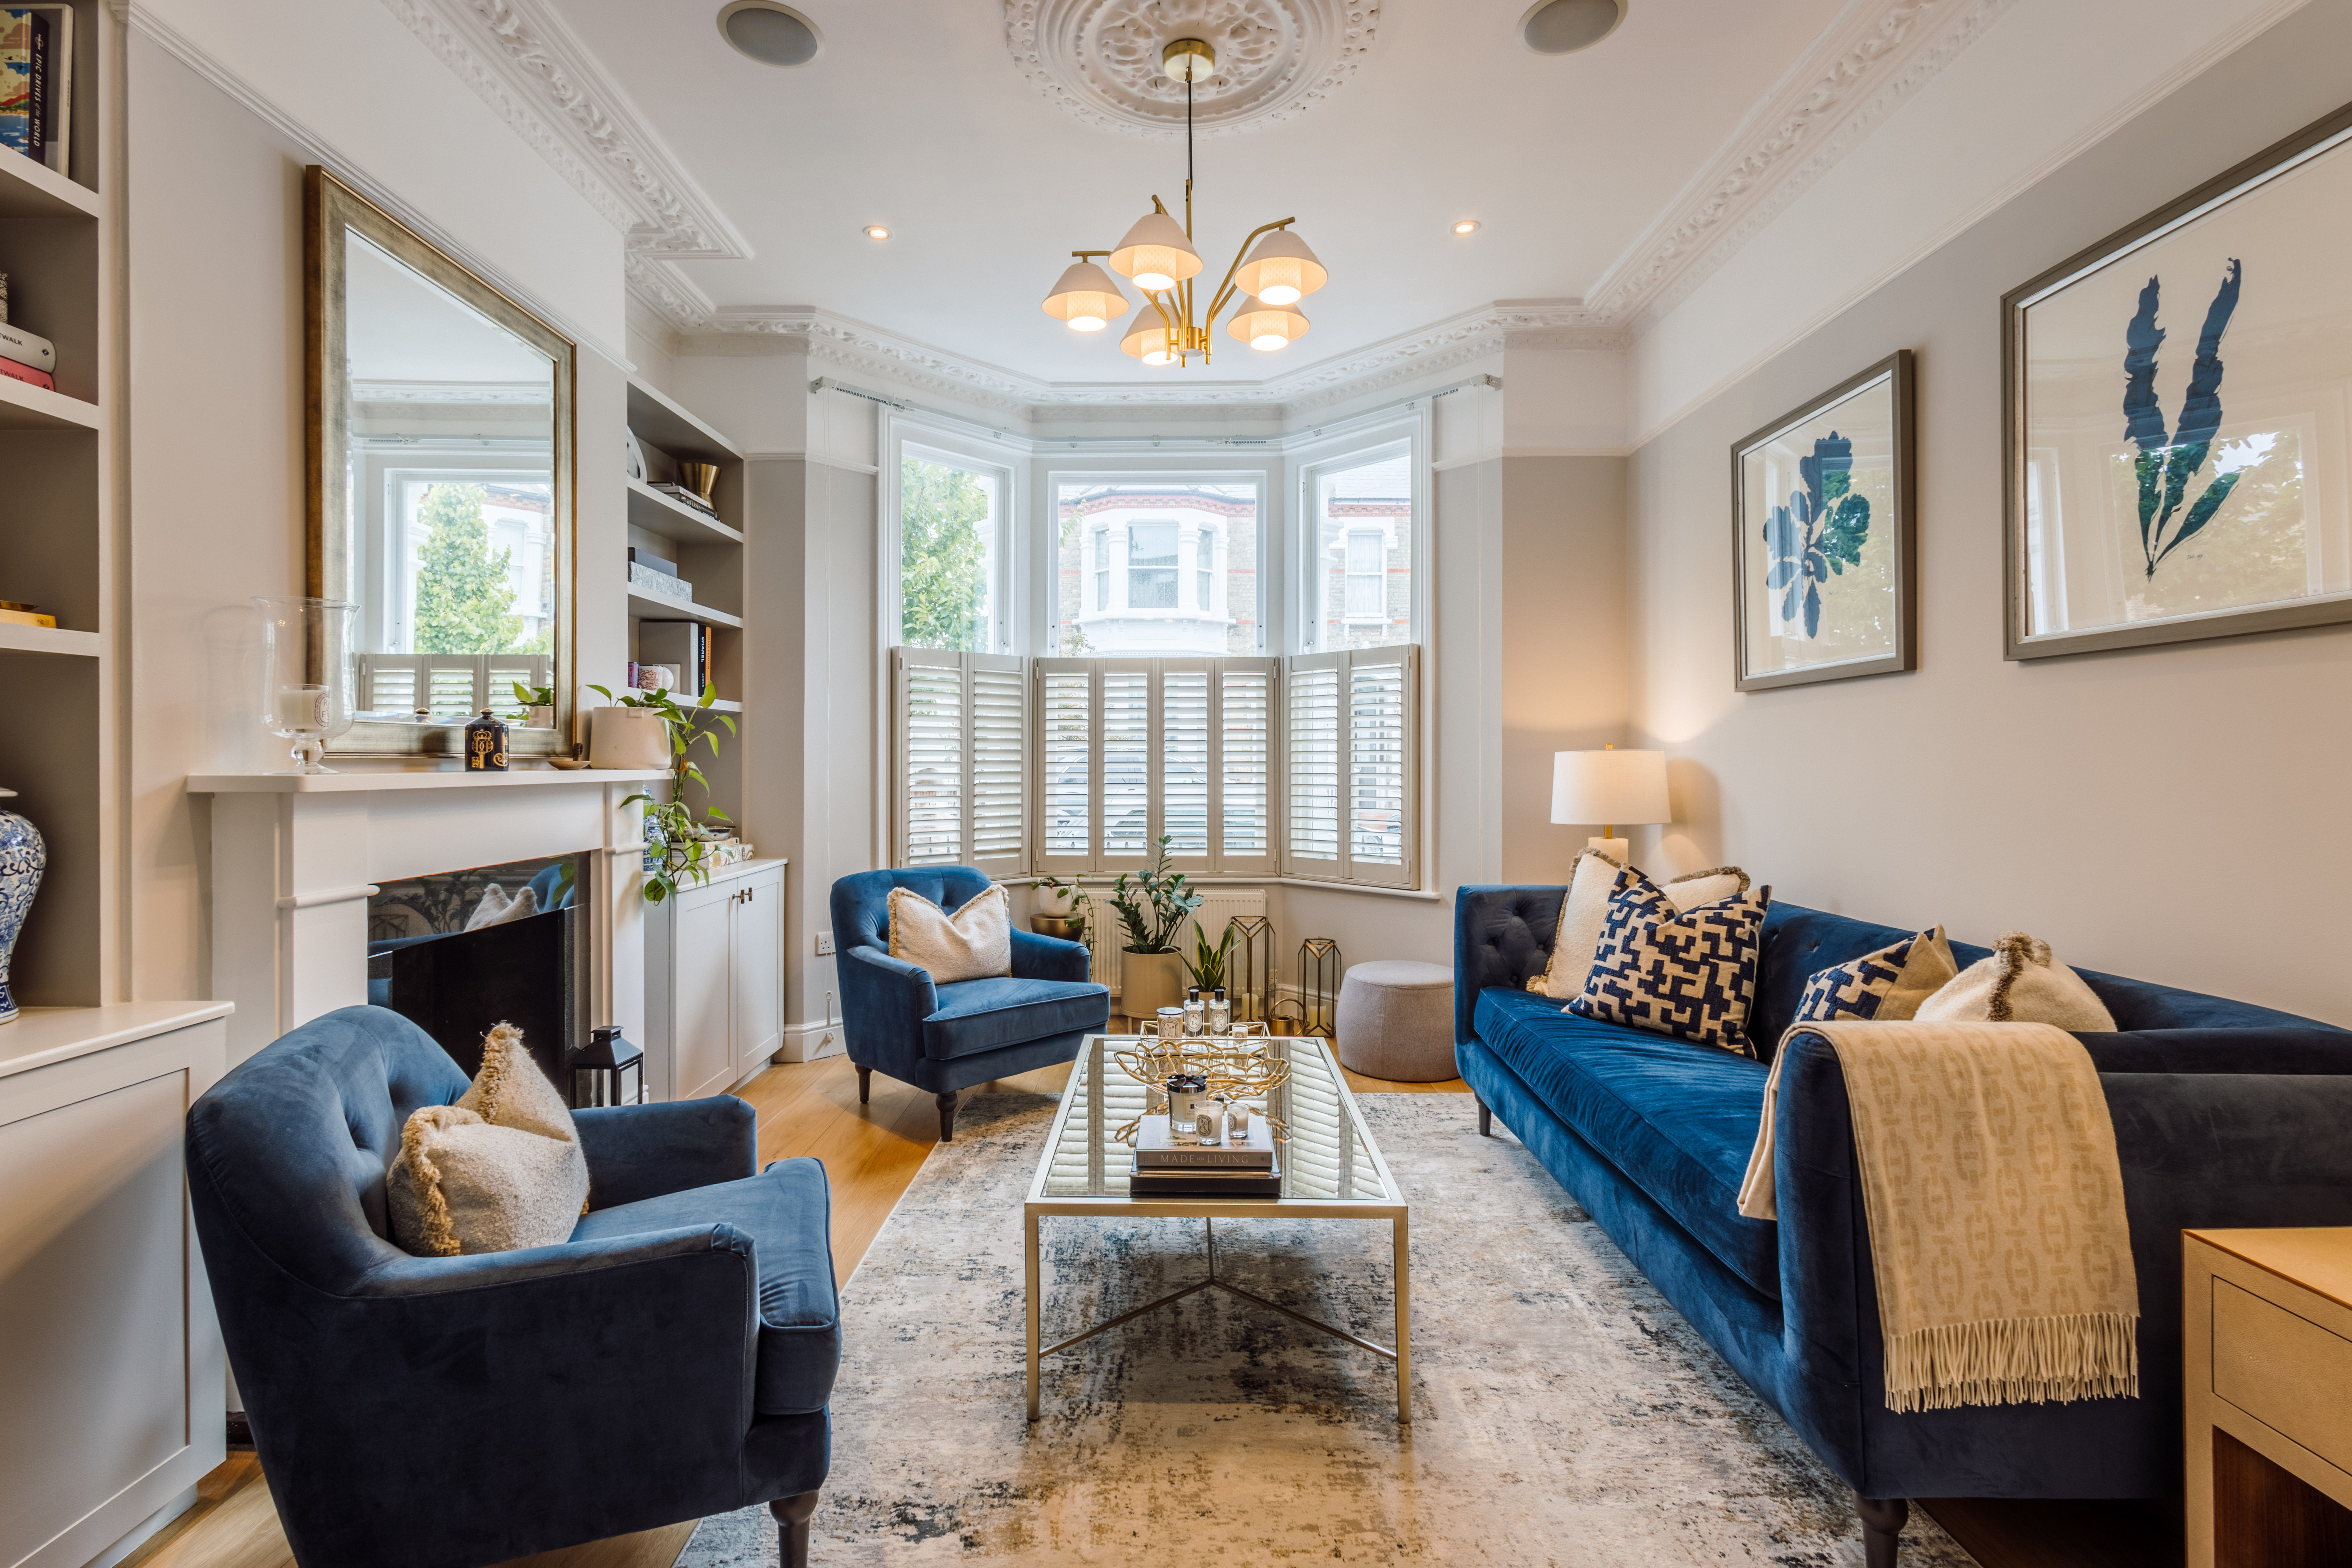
2119	806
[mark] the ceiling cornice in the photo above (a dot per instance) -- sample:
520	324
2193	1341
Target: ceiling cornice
522	59
1872	57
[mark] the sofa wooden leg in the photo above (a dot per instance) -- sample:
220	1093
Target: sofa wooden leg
1485	1120
792	1527
865	1085
1882	1528
947	1117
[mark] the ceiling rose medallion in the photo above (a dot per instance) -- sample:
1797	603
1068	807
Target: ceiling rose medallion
1263	285
1100	59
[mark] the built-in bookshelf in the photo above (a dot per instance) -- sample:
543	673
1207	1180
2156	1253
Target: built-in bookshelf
58	548
709	552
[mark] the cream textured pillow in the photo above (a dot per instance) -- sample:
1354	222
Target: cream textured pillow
1709	887
2020	983
973	943
495	909
1592	882
499	1170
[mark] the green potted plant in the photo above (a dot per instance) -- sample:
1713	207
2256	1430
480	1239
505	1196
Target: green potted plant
1153	905
1062	909
1207	964
537	706
676	854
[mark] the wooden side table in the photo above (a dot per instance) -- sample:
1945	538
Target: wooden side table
2267	1338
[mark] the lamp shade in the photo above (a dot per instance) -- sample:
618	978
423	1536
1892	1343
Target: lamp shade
1281	270
1267	327
1156	253
1085	298
1150	339
1610	788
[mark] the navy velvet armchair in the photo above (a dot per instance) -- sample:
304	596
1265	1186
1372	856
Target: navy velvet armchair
672	1360
946	1039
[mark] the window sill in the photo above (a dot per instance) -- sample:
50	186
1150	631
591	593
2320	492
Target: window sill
1091	879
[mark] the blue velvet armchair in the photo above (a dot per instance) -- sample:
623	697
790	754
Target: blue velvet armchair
946	1039
672	1360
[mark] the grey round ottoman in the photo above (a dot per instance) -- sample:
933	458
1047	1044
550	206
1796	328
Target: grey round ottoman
1396	1020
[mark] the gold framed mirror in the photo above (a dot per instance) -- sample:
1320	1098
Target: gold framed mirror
440	485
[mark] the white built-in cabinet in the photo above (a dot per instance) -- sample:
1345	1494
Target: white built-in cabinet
715	982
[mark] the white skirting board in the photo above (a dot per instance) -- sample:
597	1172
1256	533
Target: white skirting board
812	1042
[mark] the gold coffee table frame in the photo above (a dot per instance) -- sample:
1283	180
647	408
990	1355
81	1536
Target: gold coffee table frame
1331	1168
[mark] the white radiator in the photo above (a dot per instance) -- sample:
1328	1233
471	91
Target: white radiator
1105	935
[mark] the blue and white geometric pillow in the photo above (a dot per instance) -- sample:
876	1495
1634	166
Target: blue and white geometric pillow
1887	985
1691	975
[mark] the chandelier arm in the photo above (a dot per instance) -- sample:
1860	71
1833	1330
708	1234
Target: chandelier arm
1226	289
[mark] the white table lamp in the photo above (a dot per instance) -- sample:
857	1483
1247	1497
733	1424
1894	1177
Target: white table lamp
1610	788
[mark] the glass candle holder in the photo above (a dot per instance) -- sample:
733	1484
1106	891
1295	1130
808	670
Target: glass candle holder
306	667
1209	1124
1170	1024
1187	1093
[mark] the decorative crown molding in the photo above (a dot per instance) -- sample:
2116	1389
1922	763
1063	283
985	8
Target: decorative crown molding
527	64
1861	70
1099	60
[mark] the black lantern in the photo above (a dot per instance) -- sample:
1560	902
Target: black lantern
486	745
608	1070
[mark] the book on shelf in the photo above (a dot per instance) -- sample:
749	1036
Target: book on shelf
661	584
28	349
37	84
686	644
12	616
681	493
1155	1150
638	557
27	374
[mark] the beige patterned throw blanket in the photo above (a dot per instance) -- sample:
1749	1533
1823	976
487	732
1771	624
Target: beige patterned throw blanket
1996	1212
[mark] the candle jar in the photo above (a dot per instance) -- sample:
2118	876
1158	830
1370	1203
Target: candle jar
1209	1124
1187	1093
1237	1120
1170	1025
1221	1013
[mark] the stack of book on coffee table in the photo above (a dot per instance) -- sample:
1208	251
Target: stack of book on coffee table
1242	1167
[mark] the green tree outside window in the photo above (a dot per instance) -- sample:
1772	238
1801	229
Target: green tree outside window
942	557
464	602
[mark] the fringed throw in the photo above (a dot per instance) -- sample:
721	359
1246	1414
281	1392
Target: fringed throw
1995	1208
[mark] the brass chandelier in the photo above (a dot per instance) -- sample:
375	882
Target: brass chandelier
1157	255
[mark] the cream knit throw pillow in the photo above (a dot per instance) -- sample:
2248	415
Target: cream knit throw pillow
2020	983
973	943
499	1170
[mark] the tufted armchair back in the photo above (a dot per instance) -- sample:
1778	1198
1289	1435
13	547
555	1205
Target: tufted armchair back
294	1144
861	903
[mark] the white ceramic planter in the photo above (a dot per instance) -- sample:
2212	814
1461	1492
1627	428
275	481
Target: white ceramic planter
627	738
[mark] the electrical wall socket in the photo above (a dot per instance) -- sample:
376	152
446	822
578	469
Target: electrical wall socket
824	944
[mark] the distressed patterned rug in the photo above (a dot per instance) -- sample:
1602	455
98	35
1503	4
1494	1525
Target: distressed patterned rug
1563	1413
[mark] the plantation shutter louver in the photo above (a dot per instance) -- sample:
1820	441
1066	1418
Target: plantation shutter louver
962	755
1352	766
1312	733
1065	770
1125	703
1242	812
1183	757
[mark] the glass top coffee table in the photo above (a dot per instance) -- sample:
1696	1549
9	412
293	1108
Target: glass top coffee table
1331	1170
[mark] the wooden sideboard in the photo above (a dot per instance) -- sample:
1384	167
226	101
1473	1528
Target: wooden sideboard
2267	1337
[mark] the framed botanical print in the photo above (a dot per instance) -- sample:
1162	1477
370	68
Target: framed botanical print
1824	587
2178	415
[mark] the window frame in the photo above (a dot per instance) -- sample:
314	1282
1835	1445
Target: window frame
1306	464
903	438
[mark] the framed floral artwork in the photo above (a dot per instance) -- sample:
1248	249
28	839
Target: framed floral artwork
1824	587
2178	415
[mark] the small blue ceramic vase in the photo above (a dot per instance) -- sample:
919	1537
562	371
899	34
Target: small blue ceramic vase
23	857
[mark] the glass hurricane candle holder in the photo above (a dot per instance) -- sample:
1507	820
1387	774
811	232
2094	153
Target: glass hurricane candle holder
1318	985
307	666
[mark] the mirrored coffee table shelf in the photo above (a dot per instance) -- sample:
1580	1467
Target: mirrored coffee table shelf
1331	1168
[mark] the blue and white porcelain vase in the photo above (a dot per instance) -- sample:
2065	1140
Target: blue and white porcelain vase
23	857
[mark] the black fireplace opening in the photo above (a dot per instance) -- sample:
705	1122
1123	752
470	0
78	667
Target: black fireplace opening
459	952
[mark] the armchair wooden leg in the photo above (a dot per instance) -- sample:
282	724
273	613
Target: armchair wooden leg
947	1116
792	1527
1882	1528
1485	1120
865	1085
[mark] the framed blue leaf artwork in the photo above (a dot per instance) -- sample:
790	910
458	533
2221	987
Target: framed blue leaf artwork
1822	504
2178	410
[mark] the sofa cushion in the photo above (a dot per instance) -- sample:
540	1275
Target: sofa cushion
1688	973
1678	1118
787	1211
978	1015
1886	986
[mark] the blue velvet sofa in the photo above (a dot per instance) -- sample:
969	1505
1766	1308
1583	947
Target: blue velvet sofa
674	1359
948	1038
2225	1114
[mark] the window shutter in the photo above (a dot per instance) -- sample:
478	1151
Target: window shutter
1065	766
1184	756
931	757
1313	738
998	747
1244	814
1124	699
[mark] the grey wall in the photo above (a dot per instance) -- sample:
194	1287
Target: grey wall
2175	812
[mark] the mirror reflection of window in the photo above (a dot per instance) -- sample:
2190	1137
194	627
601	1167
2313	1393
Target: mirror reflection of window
453	527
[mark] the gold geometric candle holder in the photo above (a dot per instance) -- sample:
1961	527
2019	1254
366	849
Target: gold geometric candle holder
1318	986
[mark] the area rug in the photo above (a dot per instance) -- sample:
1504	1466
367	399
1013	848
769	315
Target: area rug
1563	1413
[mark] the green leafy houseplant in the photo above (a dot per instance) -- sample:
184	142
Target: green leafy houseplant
675	841
1207	964
1152	903
1081	906
530	697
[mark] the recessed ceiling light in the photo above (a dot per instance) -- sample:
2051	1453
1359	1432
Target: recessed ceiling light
1564	26
1468	225
876	231
771	33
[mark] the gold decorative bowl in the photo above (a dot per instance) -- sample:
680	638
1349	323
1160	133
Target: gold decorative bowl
1067	929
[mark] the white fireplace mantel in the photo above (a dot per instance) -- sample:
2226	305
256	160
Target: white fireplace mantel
295	858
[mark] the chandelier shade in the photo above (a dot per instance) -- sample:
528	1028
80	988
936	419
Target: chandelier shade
1281	271
1267	327
1156	253
1150	340
1085	298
